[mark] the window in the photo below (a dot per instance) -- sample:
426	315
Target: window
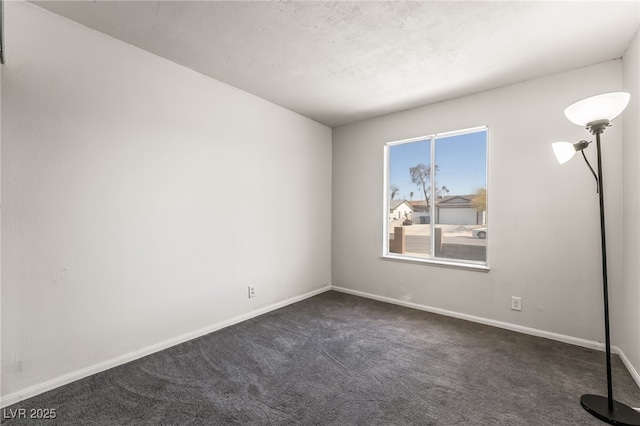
436	199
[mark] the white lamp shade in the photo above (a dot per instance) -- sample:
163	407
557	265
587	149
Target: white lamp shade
564	151
600	107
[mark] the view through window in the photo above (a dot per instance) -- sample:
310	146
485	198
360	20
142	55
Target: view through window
437	197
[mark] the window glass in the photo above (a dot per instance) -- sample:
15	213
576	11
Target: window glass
437	197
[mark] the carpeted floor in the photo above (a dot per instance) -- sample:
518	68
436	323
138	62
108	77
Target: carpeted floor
337	359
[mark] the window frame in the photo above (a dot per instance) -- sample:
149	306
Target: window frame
453	263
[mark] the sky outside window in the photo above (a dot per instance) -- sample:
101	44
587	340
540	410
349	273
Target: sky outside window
461	161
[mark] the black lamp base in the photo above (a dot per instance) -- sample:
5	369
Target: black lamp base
620	415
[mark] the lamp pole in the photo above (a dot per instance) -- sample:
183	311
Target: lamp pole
605	285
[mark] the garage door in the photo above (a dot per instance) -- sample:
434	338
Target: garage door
457	216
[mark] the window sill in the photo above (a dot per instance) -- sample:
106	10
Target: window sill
437	262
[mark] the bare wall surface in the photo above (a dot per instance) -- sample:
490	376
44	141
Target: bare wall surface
544	240
630	293
140	199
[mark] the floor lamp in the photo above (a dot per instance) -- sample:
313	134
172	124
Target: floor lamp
595	114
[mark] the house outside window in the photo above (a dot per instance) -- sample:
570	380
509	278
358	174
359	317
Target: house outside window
400	210
436	199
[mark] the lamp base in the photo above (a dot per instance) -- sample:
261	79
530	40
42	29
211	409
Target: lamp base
620	415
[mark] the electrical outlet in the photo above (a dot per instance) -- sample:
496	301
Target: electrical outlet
252	291
516	303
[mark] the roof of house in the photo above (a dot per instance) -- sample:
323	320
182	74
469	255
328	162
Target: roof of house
394	204
455	201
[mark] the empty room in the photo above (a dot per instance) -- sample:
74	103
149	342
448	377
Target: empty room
320	212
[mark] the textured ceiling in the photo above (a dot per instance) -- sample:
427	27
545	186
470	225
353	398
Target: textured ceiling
340	62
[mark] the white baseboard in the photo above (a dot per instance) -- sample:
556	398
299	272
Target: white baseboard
500	324
627	363
32	391
505	325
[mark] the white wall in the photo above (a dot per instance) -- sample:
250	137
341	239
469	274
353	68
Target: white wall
629	295
125	182
544	239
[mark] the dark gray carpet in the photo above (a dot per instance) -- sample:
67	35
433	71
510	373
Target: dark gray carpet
337	359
